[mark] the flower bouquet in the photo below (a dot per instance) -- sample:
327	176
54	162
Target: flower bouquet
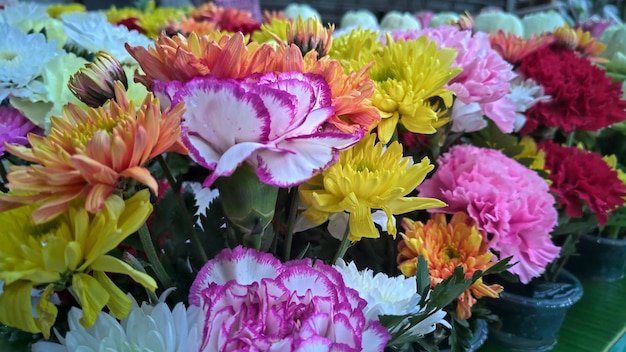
193	179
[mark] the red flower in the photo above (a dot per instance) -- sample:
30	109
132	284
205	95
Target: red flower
583	97
580	177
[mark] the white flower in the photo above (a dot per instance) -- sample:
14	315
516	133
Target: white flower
524	94
493	21
92	32
388	296
23	14
443	18
359	18
399	20
305	11
22	58
541	22
147	328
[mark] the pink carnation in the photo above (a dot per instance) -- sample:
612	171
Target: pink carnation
272	122
253	302
485	77
510	204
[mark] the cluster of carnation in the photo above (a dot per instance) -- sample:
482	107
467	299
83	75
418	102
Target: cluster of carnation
510	203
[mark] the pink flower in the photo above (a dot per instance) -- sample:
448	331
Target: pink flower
510	204
272	122
485	77
253	302
14	127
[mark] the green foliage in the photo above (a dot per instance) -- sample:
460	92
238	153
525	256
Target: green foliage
15	340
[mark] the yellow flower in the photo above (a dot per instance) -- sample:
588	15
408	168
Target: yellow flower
55	11
276	30
69	252
356	48
446	246
152	19
367	177
531	151
611	160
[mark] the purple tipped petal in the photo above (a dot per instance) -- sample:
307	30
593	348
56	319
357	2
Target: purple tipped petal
231	159
375	337
240	264
301	158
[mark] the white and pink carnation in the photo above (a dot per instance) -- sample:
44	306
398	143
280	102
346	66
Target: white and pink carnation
484	81
272	122
510	203
252	301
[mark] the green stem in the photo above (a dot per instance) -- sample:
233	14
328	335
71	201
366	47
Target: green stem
3	177
570	139
196	244
153	258
343	246
168	173
291	221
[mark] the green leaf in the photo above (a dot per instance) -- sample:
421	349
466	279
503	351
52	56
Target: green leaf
460	335
422	278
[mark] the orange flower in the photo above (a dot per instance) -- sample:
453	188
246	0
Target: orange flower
181	59
582	42
226	19
445	247
187	25
90	153
514	48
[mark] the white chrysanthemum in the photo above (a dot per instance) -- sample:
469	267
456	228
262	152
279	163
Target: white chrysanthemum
147	328
23	14
22	58
293	10
359	18
92	32
541	22
388	296
399	20
524	94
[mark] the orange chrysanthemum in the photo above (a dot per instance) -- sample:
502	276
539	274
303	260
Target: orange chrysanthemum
445	247
90	153
582	42
514	48
181	59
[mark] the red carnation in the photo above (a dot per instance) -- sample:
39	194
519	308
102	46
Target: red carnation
583	97
581	177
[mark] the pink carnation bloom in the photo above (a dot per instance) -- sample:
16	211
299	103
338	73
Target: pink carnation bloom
485	77
14	127
272	122
253	302
511	204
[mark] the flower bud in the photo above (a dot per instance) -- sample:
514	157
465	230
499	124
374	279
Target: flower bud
493	21
542	22
94	84
310	34
615	39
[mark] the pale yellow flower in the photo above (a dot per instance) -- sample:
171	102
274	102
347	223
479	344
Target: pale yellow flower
367	177
68	252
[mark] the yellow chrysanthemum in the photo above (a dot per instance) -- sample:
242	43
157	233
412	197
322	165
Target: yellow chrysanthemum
581	41
276	30
531	151
152	19
69	252
55	11
356	48
367	177
410	77
444	247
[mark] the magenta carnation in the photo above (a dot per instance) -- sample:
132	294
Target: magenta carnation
253	302
510	204
272	122
485	77
14	127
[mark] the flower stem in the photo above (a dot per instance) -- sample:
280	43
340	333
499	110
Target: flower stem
571	139
196	244
168	173
3	177
291	221
153	259
343	246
